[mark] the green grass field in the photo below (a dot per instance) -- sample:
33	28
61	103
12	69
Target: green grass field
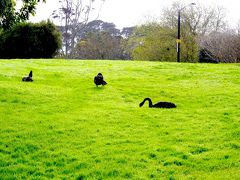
62	126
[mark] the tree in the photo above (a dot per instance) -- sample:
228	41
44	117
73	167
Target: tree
28	40
198	20
100	26
99	45
9	15
196	24
102	40
225	46
73	16
209	29
127	32
155	42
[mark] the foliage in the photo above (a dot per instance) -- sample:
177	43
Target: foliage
99	26
98	45
28	40
63	127
101	40
155	42
73	15
198	20
225	46
208	27
9	15
189	47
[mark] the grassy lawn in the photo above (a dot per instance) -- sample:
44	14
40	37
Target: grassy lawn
62	126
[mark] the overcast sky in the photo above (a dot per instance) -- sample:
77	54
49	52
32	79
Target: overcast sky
125	13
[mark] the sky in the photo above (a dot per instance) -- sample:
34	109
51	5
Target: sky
126	13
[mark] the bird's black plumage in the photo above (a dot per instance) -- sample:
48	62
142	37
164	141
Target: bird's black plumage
158	105
99	80
28	78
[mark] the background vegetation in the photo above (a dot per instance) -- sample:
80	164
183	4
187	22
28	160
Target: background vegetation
205	34
28	40
19	39
10	14
62	126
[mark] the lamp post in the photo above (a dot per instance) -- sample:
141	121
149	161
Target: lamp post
179	30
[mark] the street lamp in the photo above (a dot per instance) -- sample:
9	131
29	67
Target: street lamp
178	34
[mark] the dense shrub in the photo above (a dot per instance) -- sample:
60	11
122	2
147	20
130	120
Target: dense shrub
28	40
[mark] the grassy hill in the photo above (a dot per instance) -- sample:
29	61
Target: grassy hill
62	126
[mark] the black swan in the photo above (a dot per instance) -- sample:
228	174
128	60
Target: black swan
158	105
28	78
98	80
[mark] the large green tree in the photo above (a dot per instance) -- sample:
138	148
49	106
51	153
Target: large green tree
30	40
10	15
155	42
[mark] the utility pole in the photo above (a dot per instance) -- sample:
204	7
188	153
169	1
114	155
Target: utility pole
179	31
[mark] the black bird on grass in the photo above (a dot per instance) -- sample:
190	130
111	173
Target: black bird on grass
159	104
28	78
98	80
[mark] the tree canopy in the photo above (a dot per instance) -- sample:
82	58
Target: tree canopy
10	15
41	40
99	45
73	15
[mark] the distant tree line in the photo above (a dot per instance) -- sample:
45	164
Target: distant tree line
101	40
205	36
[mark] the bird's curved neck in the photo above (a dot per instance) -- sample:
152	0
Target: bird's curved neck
149	101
